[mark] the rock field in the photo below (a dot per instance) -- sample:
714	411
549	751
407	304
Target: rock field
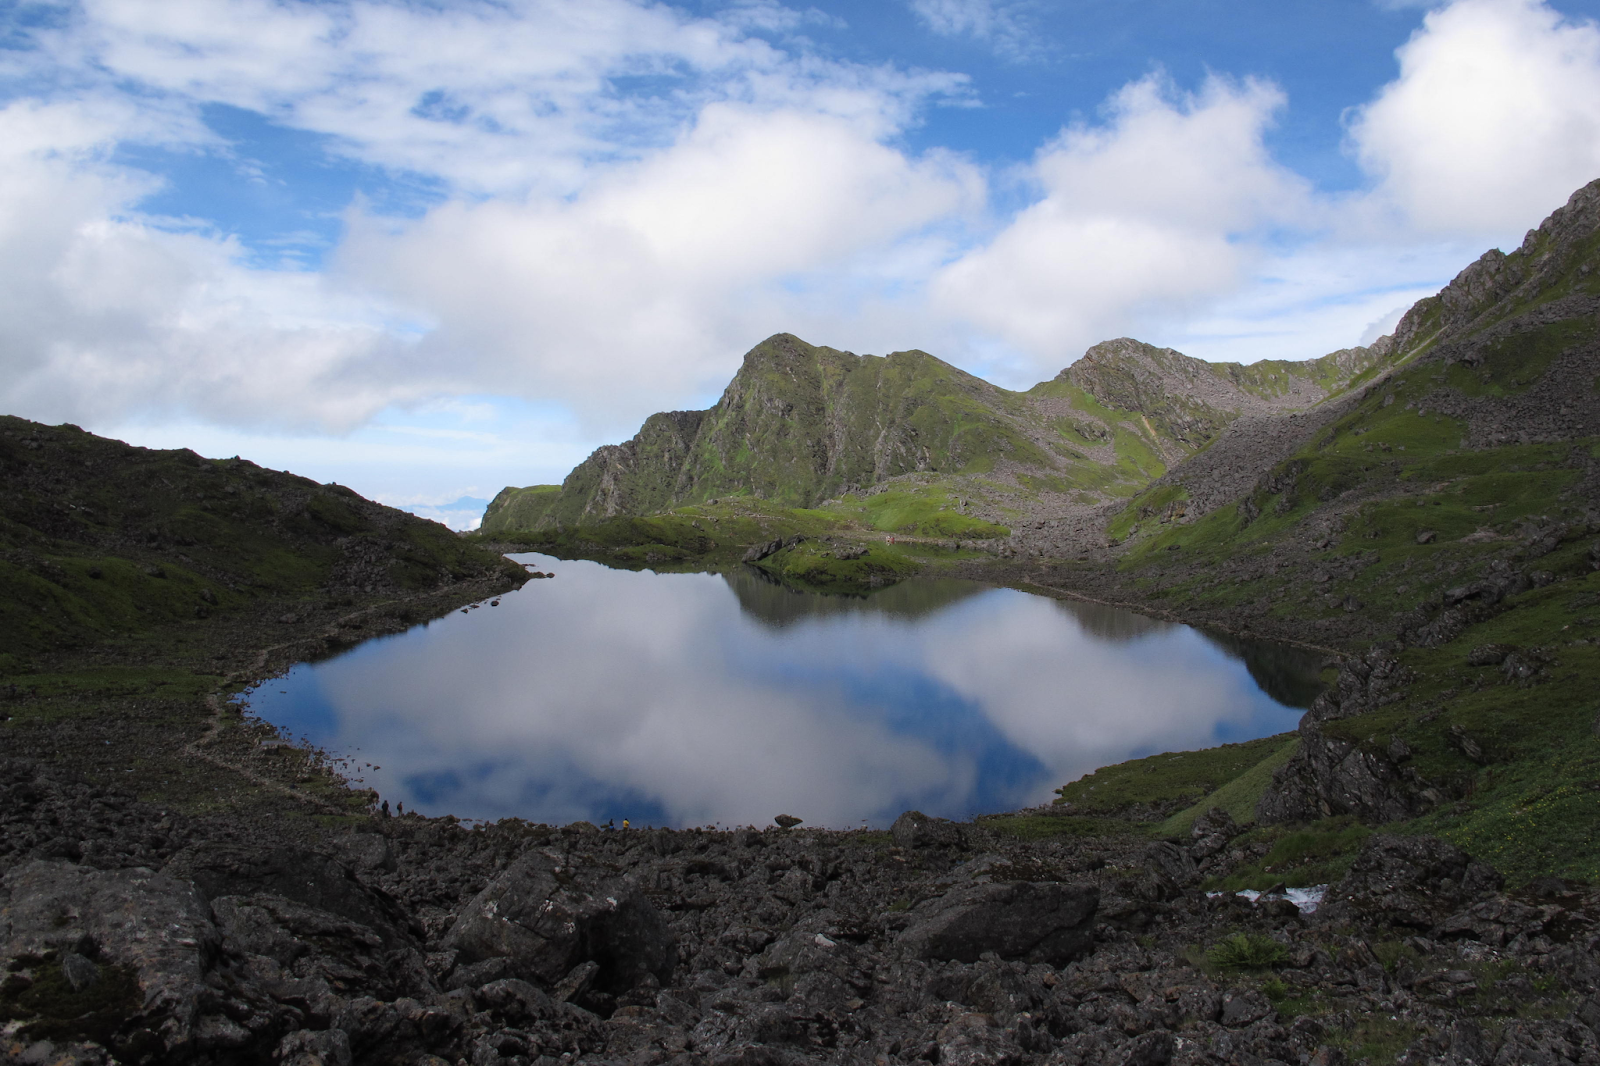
133	934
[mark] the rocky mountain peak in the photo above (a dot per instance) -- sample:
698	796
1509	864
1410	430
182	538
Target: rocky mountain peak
1555	260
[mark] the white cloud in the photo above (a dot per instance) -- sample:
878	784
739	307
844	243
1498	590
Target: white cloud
102	313
1004	26
1141	215
654	280
1492	123
628	197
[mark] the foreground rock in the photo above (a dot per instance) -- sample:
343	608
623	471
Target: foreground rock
518	944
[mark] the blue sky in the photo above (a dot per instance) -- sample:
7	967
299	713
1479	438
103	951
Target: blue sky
429	249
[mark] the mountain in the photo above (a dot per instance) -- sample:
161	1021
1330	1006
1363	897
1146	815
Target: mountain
1436	529
800	425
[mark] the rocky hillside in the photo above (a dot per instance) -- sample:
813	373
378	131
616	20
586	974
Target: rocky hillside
101	540
1438	528
800	425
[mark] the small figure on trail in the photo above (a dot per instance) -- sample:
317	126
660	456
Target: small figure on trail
624	823
386	808
611	823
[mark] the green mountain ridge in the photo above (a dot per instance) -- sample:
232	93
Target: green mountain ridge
801	425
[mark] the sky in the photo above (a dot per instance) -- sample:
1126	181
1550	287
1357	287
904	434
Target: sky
427	249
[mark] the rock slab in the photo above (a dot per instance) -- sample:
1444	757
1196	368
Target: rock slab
1044	922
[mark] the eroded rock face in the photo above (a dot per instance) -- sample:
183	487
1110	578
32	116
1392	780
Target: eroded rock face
1412	882
547	918
156	926
1035	922
1329	775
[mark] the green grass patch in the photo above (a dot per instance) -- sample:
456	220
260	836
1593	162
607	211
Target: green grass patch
1315	854
833	567
1153	787
1247	951
1238	797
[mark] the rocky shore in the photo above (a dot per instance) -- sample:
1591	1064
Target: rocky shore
133	933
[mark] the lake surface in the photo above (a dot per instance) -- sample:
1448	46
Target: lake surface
699	699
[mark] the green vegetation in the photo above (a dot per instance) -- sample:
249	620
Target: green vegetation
929	510
82	559
40	996
1247	951
800	425
1237	796
1300	856
831	566
1154	787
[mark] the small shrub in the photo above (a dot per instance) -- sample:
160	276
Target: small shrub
1247	951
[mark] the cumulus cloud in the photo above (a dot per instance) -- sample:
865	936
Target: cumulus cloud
1493	120
102	313
1140	214
650	281
625	197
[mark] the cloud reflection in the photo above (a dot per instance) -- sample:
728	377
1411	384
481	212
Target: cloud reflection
689	699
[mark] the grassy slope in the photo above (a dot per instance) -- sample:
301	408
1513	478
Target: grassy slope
1387	508
131	580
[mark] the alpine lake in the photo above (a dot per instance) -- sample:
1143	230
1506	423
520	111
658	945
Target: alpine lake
725	699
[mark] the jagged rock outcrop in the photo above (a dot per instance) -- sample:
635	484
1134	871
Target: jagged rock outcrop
1331	774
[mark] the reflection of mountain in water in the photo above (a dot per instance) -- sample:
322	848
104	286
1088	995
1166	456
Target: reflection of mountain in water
1113	624
778	605
1290	675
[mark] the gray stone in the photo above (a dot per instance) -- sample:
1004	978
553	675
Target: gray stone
157	926
1034	921
79	971
548	918
1412	881
913	829
363	852
305	1047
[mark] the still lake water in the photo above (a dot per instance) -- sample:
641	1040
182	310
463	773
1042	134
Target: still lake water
698	699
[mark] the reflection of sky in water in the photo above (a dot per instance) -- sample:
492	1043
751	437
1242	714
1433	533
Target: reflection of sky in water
688	699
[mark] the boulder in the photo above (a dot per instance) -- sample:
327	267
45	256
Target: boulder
913	829
1173	866
301	876
1413	882
1045	922
152	925
362	852
547	919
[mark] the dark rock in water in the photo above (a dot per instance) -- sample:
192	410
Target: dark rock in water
1036	922
1408	881
787	821
913	829
548	918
